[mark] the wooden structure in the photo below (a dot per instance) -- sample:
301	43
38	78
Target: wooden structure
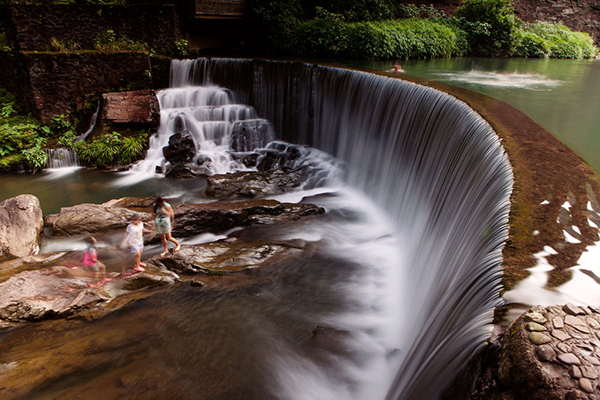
219	9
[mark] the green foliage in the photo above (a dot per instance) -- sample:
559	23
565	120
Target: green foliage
109	42
352	10
4	46
543	39
65	47
36	158
181	48
489	25
112	149
409	38
273	21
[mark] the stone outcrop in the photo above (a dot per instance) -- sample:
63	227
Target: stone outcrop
85	219
190	219
138	107
228	256
181	148
59	291
21	226
553	353
193	219
253	184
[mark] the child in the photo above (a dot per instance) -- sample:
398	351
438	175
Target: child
163	220
90	260
134	237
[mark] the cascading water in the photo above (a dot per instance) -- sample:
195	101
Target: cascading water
61	158
216	124
433	165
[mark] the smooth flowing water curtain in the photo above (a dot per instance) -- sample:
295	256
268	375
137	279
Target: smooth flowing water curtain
433	164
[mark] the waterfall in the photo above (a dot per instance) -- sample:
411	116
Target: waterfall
435	167
61	158
214	121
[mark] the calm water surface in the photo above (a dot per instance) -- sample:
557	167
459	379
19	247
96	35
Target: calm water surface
563	96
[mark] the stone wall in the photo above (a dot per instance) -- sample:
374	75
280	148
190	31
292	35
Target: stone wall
57	83
33	27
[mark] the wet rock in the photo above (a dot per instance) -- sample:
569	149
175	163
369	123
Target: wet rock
59	291
535	317
253	184
562	366
227	256
193	219
181	148
187	171
21	226
85	219
190	219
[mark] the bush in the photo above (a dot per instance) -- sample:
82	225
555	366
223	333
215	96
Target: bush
543	39
112	149
109	42
409	38
489	25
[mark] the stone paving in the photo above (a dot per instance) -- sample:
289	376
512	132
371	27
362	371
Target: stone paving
553	353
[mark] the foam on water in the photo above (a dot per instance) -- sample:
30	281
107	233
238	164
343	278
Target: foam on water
504	80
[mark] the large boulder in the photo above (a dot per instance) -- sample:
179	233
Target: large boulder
87	218
21	226
181	148
552	353
59	291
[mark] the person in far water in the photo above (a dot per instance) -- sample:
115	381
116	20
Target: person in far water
164	221
134	238
397	68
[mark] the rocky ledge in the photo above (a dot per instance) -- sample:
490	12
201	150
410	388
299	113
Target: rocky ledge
549	353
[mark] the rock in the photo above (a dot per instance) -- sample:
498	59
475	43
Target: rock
193	219
539	338
569	358
534	365
558	322
21	226
187	171
572	309
535	317
251	134
560	335
545	353
59	291
535	327
586	385
253	184
85	219
138	107
181	148
577	323
226	256
190	219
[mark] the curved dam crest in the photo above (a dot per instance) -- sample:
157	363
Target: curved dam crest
432	163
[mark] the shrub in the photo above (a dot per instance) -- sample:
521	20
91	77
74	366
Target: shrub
414	37
489	25
543	39
111	149
36	158
110	42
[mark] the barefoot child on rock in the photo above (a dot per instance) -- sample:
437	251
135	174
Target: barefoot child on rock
134	238
90	260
